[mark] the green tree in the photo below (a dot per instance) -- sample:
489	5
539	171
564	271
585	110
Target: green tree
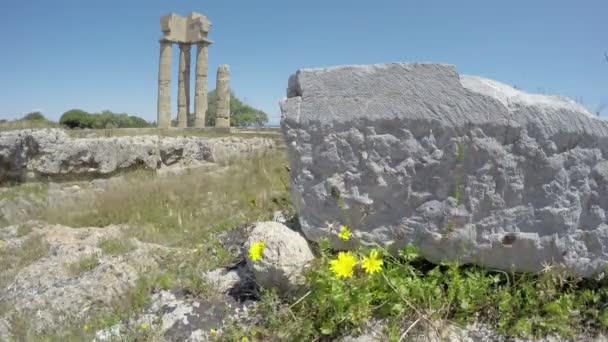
241	114
34	116
76	118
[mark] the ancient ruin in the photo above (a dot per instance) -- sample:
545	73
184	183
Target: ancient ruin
464	167
185	31
222	88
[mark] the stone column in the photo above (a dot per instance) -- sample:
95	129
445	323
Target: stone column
222	88
164	85
183	86
200	87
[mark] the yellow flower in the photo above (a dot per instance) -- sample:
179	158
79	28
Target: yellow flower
343	265
86	328
256	251
372	263
345	232
144	326
212	332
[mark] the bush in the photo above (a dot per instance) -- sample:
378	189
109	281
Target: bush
77	118
241	114
33	116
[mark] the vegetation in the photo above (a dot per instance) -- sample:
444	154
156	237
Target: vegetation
33	116
346	291
116	246
30	120
185	211
77	118
14	258
241	114
84	265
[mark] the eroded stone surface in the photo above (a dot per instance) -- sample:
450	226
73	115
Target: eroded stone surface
52	154
466	168
51	291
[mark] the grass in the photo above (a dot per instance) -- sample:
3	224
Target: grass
187	211
12	259
26	124
412	296
116	246
84	265
38	190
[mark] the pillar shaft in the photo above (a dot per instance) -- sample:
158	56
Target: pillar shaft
200	87
183	86
164	85
222	107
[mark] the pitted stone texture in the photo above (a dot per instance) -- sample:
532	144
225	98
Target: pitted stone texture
466	168
52	154
175	318
48	290
286	254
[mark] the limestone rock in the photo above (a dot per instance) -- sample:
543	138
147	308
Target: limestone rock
174	318
221	279
465	168
49	290
52	154
286	254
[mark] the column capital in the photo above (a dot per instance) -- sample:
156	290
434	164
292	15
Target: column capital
184	46
203	42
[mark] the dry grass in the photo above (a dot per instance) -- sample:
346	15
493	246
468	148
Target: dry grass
25	124
183	211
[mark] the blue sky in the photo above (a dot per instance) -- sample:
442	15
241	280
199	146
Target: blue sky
95	55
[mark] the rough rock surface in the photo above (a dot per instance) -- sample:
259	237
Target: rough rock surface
176	318
286	254
466	168
52	154
55	294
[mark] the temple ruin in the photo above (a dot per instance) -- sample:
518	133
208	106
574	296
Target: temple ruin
186	31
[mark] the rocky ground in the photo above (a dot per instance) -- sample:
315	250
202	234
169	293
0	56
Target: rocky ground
70	268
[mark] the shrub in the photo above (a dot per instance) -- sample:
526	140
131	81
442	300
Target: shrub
241	114
34	116
76	118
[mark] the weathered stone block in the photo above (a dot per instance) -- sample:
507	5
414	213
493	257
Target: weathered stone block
466	168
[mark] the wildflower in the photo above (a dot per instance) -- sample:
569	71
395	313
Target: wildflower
344	264
212	332
86	328
256	251
345	233
372	263
144	326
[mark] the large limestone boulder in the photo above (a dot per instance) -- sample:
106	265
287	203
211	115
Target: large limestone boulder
52	154
464	167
